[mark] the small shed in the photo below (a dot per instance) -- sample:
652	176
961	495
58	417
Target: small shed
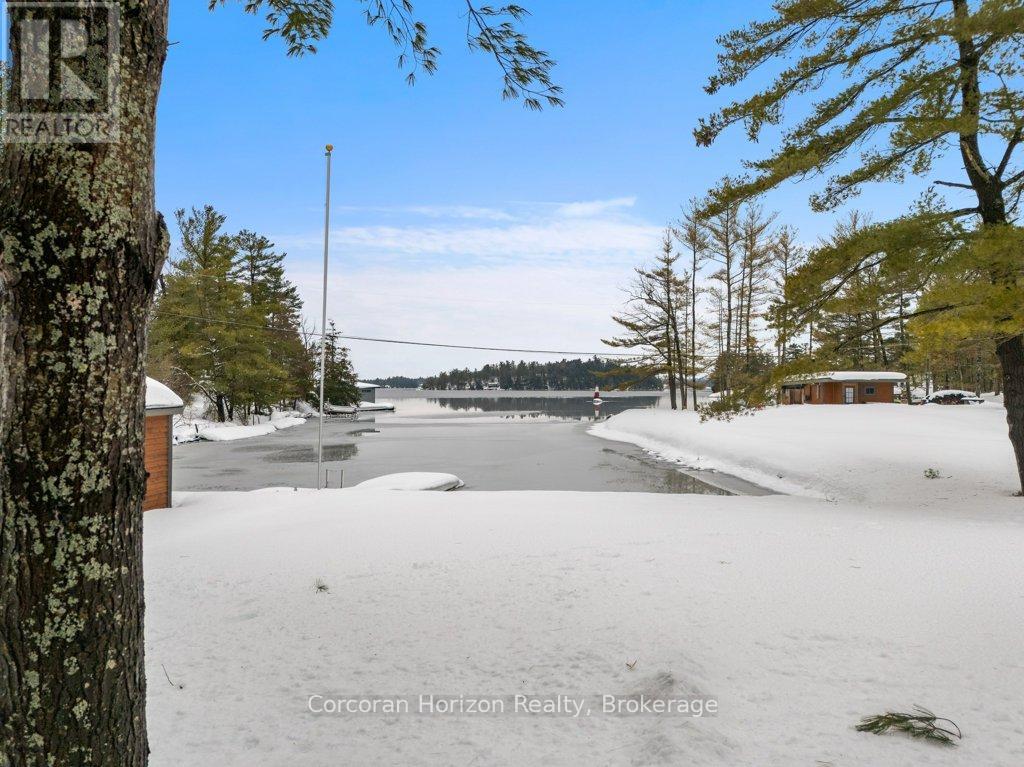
162	405
367	391
841	387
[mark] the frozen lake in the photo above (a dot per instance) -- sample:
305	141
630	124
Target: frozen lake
492	440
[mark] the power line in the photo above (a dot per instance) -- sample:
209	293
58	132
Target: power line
486	348
485	301
401	341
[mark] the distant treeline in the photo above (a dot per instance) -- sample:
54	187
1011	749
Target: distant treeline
564	375
397	382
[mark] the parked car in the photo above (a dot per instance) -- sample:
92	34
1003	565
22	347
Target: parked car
953	397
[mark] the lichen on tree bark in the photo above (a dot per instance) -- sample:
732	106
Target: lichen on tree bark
81	246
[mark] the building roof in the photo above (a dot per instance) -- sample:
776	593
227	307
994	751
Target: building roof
364	385
160	397
850	376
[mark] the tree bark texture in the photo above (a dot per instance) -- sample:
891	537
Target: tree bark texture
81	248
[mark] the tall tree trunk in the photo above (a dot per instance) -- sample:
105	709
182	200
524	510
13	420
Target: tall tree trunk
1011	358
680	365
992	207
693	331
82	248
670	366
749	309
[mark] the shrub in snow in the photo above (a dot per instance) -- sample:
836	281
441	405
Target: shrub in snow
725	408
932	473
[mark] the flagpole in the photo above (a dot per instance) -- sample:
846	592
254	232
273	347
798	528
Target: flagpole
323	325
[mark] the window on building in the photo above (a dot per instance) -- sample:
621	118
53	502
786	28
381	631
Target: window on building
869	390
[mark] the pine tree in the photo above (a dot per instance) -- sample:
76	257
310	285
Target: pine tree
339	378
897	86
757	250
276	304
692	234
787	256
653	318
200	319
724	236
227	322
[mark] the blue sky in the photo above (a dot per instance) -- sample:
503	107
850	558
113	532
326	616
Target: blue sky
458	217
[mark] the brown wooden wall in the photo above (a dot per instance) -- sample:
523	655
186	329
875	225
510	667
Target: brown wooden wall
884	392
157	458
831	393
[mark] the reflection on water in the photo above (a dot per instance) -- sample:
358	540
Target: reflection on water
491	440
661	477
304	454
550	406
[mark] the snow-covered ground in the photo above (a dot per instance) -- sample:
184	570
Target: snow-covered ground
877	453
188	428
795	616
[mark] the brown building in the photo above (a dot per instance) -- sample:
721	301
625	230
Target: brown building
841	387
162	405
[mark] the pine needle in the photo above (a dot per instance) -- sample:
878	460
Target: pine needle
921	724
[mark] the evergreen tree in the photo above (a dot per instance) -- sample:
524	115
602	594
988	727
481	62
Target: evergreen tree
200	321
655	313
275	301
757	251
339	378
227	322
787	256
724	236
898	85
692	234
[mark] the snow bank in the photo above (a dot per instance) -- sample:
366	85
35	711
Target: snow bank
413	480
228	432
212	431
286	422
874	452
798	617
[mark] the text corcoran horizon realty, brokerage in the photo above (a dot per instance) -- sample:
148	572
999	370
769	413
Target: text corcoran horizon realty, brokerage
521	704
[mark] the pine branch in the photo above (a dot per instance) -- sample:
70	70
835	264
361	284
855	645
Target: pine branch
526	70
921	724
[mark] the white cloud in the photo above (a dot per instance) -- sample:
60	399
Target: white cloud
542	240
595	207
570	231
461	211
540	306
471	212
548	277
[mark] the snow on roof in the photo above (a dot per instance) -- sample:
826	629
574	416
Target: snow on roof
850	375
159	396
364	385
